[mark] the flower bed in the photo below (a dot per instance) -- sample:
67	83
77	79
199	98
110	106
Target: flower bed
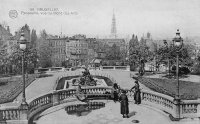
13	88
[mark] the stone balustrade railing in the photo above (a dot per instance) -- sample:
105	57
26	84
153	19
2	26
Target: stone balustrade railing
10	114
61	96
127	68
188	108
160	101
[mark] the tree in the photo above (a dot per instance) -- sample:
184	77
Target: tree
133	52
138	53
113	53
44	50
30	59
33	38
4	61
169	52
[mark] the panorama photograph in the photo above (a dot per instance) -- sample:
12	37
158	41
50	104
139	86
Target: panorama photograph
99	61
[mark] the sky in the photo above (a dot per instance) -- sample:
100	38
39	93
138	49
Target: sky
94	17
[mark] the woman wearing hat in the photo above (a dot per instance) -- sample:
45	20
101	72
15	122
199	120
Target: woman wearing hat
137	96
124	104
115	92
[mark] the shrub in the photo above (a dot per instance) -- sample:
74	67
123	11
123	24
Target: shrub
182	70
196	69
3	83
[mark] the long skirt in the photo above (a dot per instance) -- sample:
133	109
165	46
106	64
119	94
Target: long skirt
137	97
124	107
116	97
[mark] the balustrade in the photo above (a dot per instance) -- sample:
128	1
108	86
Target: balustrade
159	101
41	101
188	108
115	68
10	114
63	94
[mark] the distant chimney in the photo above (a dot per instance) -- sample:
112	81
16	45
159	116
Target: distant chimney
8	29
15	33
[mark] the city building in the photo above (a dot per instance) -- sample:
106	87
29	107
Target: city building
110	42
58	50
77	50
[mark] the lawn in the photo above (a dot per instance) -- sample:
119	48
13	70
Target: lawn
12	87
188	90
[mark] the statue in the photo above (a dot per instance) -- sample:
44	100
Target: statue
87	79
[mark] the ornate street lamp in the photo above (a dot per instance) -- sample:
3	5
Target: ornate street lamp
178	43
23	45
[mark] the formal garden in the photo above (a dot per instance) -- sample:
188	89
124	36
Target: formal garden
11	87
167	84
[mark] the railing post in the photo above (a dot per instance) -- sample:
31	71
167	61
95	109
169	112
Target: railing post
23	114
198	108
177	108
55	98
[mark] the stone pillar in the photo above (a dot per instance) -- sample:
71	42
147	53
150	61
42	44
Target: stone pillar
55	98
198	108
177	109
23	114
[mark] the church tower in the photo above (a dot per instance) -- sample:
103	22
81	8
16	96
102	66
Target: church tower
113	27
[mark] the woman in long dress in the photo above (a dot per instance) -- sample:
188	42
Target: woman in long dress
137	96
115	92
124	104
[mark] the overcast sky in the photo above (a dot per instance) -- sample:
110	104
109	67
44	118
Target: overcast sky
93	17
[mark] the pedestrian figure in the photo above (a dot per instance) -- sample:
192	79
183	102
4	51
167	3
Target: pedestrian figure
124	104
115	92
137	96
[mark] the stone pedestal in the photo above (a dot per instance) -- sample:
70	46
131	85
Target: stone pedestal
23	113
177	113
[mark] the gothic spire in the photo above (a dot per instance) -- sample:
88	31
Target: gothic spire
113	27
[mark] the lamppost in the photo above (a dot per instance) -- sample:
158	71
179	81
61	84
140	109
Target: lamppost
22	45
178	43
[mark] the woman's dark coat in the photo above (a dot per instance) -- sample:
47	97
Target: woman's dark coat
124	104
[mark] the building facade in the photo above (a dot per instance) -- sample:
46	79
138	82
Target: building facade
58	50
110	42
77	51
